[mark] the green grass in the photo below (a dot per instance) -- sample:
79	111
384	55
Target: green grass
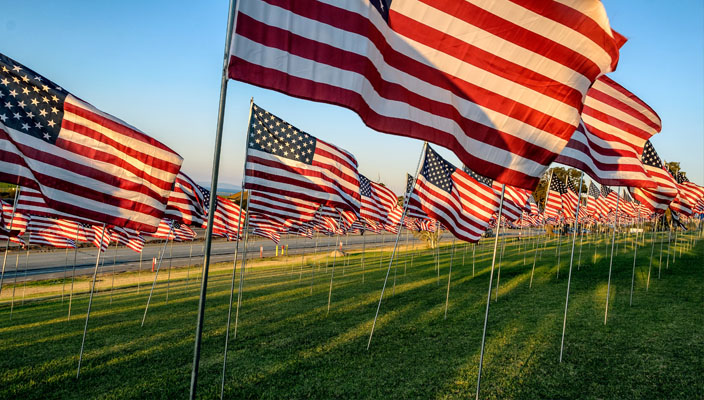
287	346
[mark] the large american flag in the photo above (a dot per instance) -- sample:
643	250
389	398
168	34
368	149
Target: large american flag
83	161
499	83
657	199
458	201
285	160
515	199
228	221
616	124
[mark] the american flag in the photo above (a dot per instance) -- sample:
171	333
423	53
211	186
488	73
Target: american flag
689	192
553	205
592	196
125	236
32	202
683	203
16	223
47	232
83	161
285	160
616	124
458	201
291	211
610	199
658	199
414	209
570	198
101	237
379	203
173	230
629	207
187	202
268	227
228	221
514	198
499	83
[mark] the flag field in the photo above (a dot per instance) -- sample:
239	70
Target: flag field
288	347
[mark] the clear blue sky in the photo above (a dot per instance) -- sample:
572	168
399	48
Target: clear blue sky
156	64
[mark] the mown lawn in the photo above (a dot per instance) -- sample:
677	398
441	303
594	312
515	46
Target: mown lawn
288	346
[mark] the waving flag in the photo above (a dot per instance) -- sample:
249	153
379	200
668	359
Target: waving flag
570	198
499	83
414	208
32	202
657	199
458	201
285	160
188	202
615	126
592	196
47	232
553	205
227	221
83	161
125	236
290	211
379	203
15	224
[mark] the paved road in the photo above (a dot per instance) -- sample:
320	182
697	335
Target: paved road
51	264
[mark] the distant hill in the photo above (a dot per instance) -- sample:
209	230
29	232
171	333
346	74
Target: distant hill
224	188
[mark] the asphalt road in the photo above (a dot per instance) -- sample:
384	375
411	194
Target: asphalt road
53	264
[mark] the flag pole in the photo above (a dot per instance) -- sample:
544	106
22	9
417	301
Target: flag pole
488	296
232	10
569	274
334	259
234	273
245	232
633	274
449	275
114	261
611	262
7	245
73	274
156	274
90	300
398	235
171	259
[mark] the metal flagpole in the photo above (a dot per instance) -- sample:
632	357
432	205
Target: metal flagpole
488	295
334	259
139	273
114	261
449	275
213	200
156	274
26	262
633	274
536	248
188	270
364	244
171	258
63	281
73	274
569	274
398	235
90	300
611	262
474	250
7	245
242	268
14	284
232	284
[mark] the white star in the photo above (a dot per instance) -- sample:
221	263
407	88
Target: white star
25	127
42	112
38	125
45	100
38	78
54	110
30	114
51	123
25	90
17	115
21	104
25	79
3	117
47	136
34	102
16	68
13	93
56	99
8	105
4	69
45	88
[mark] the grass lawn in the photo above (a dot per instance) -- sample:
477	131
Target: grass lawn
288	346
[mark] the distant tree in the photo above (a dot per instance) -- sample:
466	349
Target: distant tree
674	167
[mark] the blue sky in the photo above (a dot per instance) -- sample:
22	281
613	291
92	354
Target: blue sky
156	64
